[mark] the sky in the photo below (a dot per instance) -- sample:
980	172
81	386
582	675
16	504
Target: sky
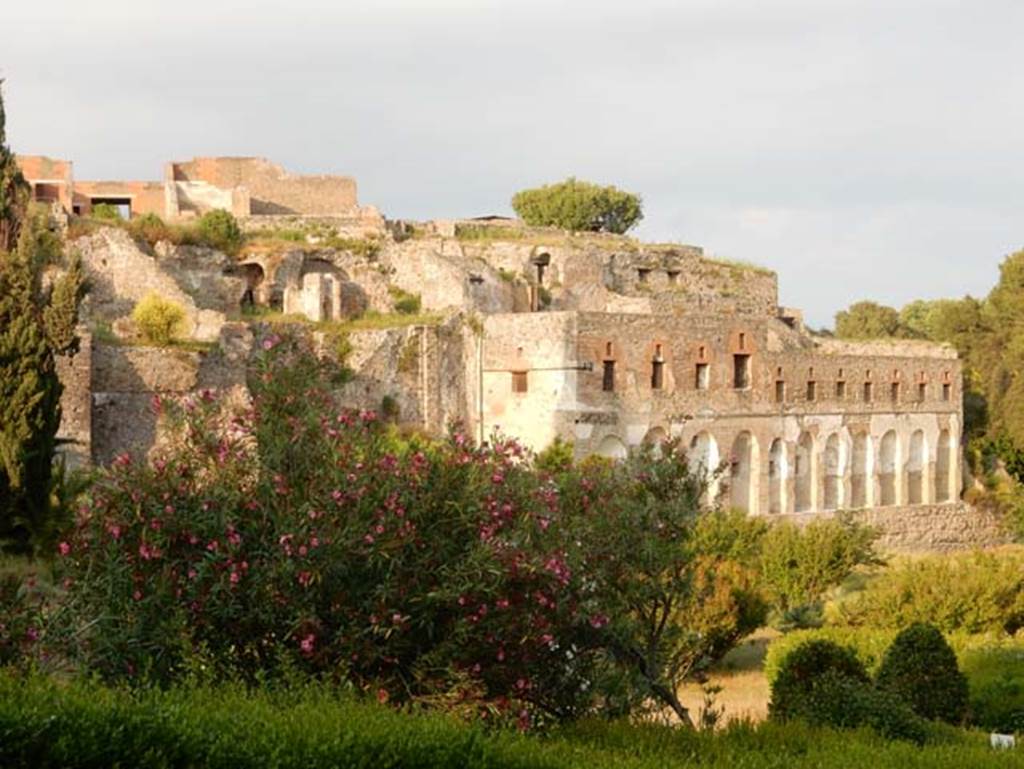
860	148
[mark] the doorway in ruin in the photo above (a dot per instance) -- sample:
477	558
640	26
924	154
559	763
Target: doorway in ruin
888	464
860	477
834	472
943	461
803	473
253	275
743	473
917	463
123	205
778	471
703	459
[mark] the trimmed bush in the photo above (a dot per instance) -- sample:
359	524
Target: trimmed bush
219	229
825	684
159	321
920	668
869	646
793	686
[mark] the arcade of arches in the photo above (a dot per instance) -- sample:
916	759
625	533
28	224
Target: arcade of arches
827	471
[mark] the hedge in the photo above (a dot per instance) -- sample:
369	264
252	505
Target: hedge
994	666
48	723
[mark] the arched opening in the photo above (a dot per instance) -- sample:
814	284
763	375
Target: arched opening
743	473
834	472
803	474
860	477
655	437
917	462
611	446
704	460
888	462
778	471
943	452
253	275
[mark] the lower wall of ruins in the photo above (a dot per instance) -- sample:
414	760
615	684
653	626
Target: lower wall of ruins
926	528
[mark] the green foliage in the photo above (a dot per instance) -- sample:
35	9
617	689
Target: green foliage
151	229
14	190
80	724
996	675
36	325
972	592
159	321
106	212
868	644
558	457
792	688
869	320
579	206
826	685
921	669
220	230
800	564
404	302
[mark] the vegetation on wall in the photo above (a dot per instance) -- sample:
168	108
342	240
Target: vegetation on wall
579	206
159	321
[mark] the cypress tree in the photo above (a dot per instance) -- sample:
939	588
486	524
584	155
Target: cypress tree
37	324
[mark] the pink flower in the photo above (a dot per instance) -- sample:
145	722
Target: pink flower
32	634
114	530
64	548
305	578
307	644
598	621
137	595
235	577
382	696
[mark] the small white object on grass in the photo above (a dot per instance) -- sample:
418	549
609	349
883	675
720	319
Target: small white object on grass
1002	741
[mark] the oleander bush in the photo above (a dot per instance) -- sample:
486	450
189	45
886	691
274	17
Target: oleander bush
921	669
300	535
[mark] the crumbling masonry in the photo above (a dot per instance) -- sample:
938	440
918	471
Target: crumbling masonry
598	340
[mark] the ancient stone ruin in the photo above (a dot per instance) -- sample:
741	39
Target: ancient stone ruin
594	339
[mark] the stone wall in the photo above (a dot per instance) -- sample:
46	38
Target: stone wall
272	190
75	431
929	528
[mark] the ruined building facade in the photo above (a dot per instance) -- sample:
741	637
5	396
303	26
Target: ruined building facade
597	340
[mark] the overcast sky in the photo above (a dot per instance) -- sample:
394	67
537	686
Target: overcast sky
859	148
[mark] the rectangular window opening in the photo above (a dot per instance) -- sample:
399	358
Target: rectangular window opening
780	391
868	392
519	382
894	392
741	372
608	380
702	376
812	391
947	391
840	390
922	392
657	374
641	275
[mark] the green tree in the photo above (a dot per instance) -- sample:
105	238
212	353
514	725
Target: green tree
14	191
37	324
869	320
579	206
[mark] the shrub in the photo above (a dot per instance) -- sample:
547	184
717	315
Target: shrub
825	684
996	675
106	212
800	564
921	669
159	321
151	229
792	689
219	229
579	206
868	644
404	302
972	593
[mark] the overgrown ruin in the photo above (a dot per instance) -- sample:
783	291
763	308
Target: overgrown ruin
594	339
